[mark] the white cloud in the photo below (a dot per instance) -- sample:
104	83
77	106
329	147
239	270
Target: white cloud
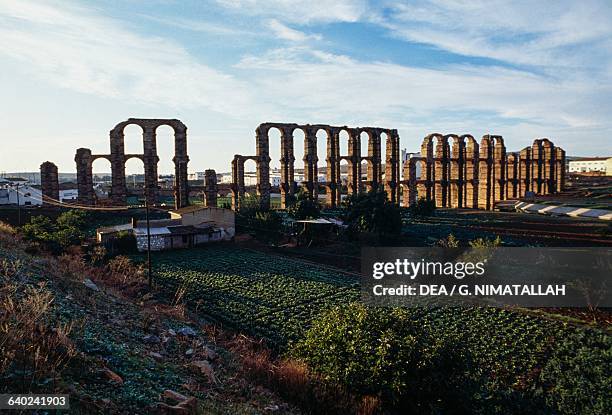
284	32
556	34
476	99
75	48
302	12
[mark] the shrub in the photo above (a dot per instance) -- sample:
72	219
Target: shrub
372	213
56	236
31	349
449	242
486	243
383	352
264	224
577	380
303	207
423	207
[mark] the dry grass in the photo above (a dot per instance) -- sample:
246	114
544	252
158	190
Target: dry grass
31	349
293	380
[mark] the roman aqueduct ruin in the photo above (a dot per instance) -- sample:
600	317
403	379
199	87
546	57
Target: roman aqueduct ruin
455	170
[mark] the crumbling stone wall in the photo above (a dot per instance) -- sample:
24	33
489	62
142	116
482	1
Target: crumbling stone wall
333	182
49	180
465	175
210	188
118	158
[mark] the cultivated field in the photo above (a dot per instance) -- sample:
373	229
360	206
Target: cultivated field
276	297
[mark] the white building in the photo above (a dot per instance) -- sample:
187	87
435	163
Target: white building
198	175
591	165
22	193
12	192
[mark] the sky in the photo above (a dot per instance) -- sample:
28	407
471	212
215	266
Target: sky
71	70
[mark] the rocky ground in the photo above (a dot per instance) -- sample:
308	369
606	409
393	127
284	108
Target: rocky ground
122	349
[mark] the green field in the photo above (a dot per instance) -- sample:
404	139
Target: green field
524	355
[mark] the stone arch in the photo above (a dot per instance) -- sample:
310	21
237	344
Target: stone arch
150	159
435	169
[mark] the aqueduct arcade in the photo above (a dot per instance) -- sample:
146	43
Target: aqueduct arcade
117	158
333	183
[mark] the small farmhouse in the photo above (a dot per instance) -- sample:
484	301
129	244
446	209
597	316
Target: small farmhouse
186	228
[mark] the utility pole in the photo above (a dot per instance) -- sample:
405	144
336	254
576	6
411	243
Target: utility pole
150	275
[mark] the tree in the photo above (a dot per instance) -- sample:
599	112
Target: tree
303	207
372	213
56	235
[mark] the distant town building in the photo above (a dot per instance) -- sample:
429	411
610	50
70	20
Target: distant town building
602	165
15	189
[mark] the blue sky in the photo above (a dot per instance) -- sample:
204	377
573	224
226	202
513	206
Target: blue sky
71	70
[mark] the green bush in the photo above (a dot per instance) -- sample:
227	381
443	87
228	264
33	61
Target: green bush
577	380
264	224
423	207
384	352
302	207
372	213
65	231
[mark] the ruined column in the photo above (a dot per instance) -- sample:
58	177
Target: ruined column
181	161
332	171
457	170
512	176
287	162
425	184
410	182
49	183
354	162
472	155
559	169
392	166
548	167
524	172
374	171
85	189
536	167
441	167
238	188
485	174
263	167
498	185
150	161
118	187
210	188
311	161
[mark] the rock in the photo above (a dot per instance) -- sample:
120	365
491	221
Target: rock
205	368
90	284
187	331
186	405
172	332
189	352
151	339
175	396
210	354
156	356
164	409
112	376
